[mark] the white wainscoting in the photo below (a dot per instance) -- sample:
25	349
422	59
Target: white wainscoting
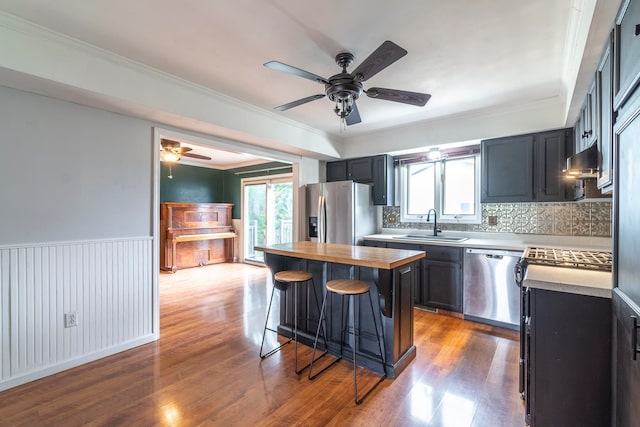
109	284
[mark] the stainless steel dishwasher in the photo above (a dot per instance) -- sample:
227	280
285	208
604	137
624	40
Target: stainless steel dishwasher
490	291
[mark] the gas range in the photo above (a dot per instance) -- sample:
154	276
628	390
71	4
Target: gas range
571	258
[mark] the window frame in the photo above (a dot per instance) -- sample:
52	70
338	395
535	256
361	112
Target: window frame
439	193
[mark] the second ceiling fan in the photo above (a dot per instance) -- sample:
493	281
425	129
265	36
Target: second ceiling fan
171	151
345	88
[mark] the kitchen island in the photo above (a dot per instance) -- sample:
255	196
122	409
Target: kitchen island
391	273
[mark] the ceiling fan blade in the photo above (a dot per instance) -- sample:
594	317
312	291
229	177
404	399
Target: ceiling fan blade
299	102
184	149
196	156
275	65
403	96
353	117
381	58
169	144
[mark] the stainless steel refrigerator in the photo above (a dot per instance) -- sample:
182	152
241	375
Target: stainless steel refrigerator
339	212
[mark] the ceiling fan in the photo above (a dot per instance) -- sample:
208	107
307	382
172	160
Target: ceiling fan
345	88
171	151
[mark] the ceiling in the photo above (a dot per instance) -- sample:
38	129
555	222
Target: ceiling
471	56
220	159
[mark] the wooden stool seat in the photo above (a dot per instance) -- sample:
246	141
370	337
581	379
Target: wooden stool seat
348	286
293	276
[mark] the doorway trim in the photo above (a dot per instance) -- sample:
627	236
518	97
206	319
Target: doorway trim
159	132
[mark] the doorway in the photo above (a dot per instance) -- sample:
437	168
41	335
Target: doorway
267	213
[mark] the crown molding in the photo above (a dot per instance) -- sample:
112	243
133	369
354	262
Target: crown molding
103	79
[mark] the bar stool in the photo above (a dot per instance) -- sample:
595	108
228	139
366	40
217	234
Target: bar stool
349	288
284	280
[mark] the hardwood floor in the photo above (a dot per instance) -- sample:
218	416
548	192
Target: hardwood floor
205	371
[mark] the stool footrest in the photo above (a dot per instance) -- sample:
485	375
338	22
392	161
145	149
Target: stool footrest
364	396
309	364
313	377
275	350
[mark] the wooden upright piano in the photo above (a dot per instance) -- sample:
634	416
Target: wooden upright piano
195	234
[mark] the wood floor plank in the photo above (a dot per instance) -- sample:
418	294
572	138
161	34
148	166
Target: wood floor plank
205	371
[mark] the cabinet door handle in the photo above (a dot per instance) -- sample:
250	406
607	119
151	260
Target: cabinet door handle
634	337
637	30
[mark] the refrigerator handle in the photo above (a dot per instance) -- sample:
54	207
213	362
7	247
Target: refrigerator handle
322	220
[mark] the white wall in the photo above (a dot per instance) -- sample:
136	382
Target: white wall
76	210
70	172
76	234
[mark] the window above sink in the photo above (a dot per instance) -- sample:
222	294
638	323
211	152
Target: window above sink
450	185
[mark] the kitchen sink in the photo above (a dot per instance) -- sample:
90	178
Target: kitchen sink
426	238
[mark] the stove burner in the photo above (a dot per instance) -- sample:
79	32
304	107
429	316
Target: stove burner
594	260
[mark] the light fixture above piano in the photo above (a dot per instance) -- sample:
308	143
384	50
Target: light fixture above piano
170	156
171	151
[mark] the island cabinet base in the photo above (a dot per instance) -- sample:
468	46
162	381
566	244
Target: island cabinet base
392	292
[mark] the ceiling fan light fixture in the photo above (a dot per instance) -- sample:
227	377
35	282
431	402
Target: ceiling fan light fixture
169	156
434	154
344	107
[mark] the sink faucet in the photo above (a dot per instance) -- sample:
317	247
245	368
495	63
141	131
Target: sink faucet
435	220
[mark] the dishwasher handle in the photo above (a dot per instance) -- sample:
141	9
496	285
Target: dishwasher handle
494	253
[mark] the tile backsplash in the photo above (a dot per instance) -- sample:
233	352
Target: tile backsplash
562	219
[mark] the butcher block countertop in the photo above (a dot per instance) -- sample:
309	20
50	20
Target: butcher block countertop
362	256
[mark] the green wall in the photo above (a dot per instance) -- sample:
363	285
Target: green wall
204	185
191	184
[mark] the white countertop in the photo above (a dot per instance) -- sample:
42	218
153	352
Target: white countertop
509	241
561	279
570	280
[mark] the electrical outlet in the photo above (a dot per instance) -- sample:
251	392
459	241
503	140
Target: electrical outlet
493	220
70	319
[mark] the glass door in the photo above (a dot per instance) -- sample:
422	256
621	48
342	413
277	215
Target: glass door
268	214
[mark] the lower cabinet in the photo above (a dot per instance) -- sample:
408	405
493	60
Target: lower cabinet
626	362
442	285
439	278
569	360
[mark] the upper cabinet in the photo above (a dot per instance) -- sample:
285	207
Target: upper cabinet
586	128
596	119
337	171
375	170
383	180
360	170
507	169
525	168
550	159
627	51
604	108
